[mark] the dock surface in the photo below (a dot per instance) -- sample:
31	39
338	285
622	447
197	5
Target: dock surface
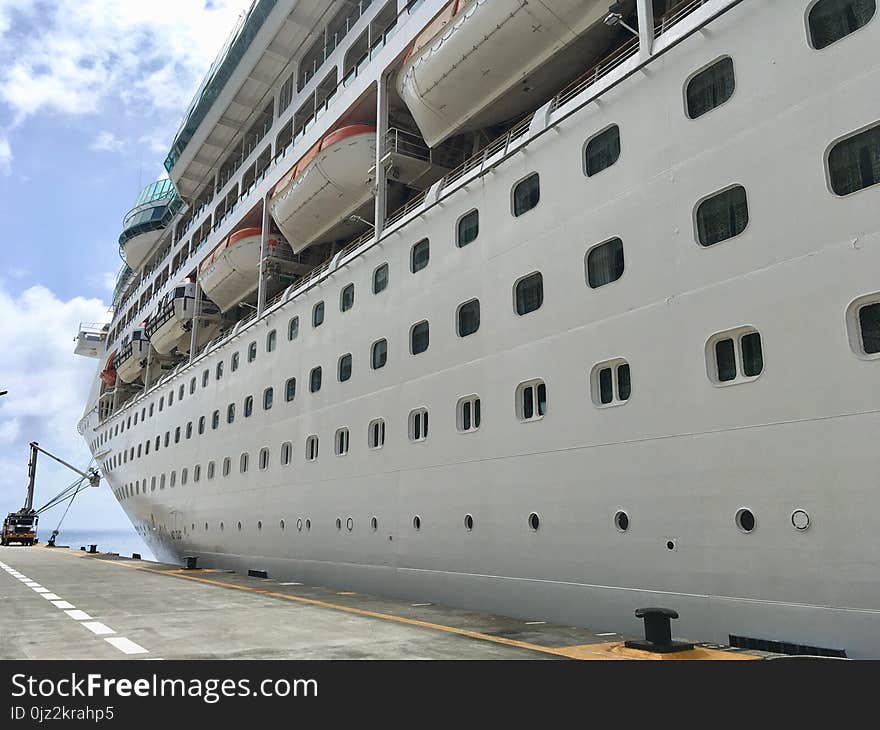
67	604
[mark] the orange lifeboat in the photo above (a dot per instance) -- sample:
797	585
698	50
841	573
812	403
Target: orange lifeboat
108	374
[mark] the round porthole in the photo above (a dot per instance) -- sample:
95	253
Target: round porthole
281	524
800	519
534	521
299	524
374	524
308	525
338	524
349	524
469	522
417	522
745	520
221	527
239	526
206	527
259	525
621	520
670	544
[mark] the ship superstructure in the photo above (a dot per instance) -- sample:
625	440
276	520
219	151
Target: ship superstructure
556	309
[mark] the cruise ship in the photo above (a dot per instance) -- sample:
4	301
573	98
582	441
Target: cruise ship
550	308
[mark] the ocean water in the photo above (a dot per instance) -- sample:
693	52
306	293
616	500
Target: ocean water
124	542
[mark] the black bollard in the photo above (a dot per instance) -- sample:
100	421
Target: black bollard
135	556
93	549
658	632
190	562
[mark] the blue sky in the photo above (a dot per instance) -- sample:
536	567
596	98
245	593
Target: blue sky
91	93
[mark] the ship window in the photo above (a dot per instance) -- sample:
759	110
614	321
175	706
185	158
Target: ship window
205	375
346	298
710	88
531	400
252	352
192	386
227	465
831	20
315	380
376	434
210	470
170	397
271	339
161	481
735	356
264	459
140	446
379	354
189	429
248	406
344	368
854	163
529	293
286	450
869	327
243	462
342	439
418	424
419	255
215	420
526	194
233	362
201	425
468	414
268	398
318	314
722	215
468	317
153	484
468	228
219	371
161	407
230	413
173	480
419	337
602	151
610	383
290	389
380	279
183	476
179	394
293	328
167	438
605	263
197	472
311	448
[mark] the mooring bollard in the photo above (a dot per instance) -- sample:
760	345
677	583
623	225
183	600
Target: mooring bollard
190	562
93	549
658	632
135	556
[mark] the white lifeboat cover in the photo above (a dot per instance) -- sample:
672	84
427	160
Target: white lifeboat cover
325	186
230	274
482	49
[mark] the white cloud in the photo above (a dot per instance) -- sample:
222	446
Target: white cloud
107	142
5	155
77	56
48	387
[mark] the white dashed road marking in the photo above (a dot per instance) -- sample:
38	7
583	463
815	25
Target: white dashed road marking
126	646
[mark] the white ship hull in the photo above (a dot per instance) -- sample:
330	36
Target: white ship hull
681	457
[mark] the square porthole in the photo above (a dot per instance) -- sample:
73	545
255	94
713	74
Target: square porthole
863	326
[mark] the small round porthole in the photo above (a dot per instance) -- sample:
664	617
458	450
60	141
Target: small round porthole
745	520
221	527
299	524
670	544
417	523
308	525
239	526
469	522
374	524
800	519
281	524
259	525
621	520
349	524
206	527
534	521
338	524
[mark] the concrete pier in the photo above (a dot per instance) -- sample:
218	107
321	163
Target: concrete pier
67	604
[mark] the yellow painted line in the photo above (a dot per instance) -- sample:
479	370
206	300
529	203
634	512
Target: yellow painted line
610	651
346	593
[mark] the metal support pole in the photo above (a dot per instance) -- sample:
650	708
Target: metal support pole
646	27
32	474
149	368
264	239
197	307
381	178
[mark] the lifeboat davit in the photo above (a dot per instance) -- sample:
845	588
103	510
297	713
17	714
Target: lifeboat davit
170	326
131	359
329	183
108	374
473	54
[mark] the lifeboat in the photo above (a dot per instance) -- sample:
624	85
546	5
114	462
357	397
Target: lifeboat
143	225
170	326
130	361
463	70
329	183
90	339
108	374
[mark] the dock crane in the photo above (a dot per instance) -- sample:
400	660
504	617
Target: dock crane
21	526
